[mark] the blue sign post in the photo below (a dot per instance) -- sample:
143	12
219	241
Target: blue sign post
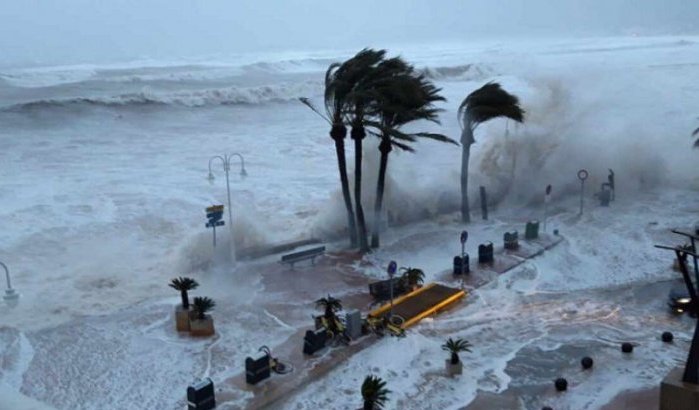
214	215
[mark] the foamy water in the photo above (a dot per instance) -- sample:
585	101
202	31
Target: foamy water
104	170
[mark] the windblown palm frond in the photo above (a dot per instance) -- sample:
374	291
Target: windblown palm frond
488	102
203	305
374	392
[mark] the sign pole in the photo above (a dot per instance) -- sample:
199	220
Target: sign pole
547	199
582	176
463	239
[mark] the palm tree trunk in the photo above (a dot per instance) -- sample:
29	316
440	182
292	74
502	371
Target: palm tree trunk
466	141
358	135
385	148
185	299
454	358
338	134
368	405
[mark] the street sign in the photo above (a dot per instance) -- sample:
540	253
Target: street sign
464	237
214	214
214	208
392	266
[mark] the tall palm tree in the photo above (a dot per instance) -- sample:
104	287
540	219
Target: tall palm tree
455	347
340	80
484	104
375	68
202	305
401	99
184	285
374	393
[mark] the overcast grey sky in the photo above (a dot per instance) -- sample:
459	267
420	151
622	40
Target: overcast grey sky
79	31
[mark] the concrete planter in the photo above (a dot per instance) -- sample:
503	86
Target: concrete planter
677	395
199	327
453	369
182	318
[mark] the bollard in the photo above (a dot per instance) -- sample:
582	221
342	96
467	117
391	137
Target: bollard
511	240
586	362
561	384
626	347
200	396
485	253
667	337
532	230
257	368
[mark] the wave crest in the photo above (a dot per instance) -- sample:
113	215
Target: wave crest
197	98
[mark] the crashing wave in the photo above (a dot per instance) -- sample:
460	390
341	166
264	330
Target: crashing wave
198	98
465	72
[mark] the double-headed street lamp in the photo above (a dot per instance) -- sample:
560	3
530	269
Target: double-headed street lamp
10	293
226	161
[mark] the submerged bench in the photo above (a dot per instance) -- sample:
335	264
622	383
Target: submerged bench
311	254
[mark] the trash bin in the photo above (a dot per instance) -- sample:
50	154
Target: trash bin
532	230
511	240
605	195
314	341
457	264
485	253
257	368
200	395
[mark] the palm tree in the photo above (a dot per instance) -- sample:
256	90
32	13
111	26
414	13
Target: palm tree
403	97
484	104
374	393
340	80
184	285
361	97
455	347
202	305
413	276
330	305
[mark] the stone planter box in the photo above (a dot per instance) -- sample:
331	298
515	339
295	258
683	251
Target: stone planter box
183	317
677	395
200	327
453	369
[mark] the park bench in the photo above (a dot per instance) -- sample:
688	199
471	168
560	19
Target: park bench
311	254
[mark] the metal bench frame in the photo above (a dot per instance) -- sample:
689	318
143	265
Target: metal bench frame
312	254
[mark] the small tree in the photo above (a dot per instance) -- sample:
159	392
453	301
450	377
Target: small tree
184	285
413	276
455	347
203	305
374	393
330	305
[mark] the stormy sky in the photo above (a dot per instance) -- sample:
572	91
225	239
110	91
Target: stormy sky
83	31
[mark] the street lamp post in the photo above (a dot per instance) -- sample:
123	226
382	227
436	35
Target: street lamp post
10	293
226	161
